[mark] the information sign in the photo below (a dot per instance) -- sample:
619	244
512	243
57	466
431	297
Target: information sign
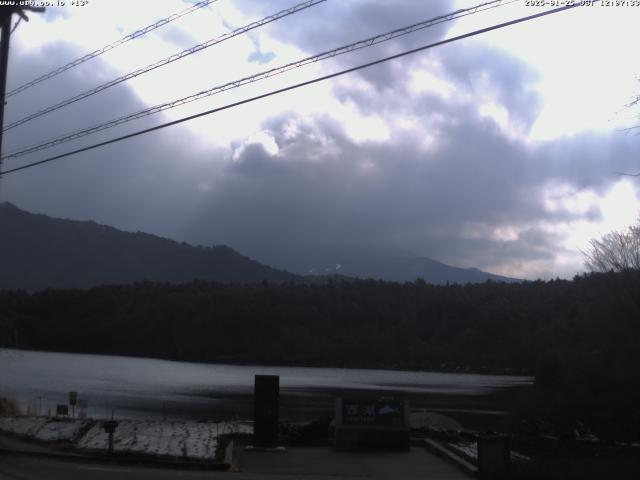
375	413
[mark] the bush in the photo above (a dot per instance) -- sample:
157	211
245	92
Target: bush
8	407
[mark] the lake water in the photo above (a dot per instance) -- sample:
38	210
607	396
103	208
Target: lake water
150	388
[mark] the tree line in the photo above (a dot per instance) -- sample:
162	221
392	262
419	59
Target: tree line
578	337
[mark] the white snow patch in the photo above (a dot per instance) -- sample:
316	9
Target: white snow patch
470	450
195	440
43	428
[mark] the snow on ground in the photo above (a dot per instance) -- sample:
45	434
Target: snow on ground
44	428
27	426
62	430
470	450
196	440
467	449
434	421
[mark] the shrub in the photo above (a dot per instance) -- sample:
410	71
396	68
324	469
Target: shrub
8	407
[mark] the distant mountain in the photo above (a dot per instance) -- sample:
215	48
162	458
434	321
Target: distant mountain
37	251
401	267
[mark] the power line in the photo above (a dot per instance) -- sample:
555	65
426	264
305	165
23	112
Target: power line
168	60
296	86
111	46
259	76
6	14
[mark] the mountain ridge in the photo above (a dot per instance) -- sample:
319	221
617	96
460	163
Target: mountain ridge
38	251
405	268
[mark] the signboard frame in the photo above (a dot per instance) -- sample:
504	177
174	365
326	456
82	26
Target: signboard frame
372	424
374	413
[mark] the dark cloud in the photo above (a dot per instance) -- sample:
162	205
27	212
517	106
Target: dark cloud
93	110
253	160
323	193
589	160
443	203
474	67
139	184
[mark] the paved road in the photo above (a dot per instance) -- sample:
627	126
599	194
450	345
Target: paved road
32	465
312	463
14	443
315	463
19	467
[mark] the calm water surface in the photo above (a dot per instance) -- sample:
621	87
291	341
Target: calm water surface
141	387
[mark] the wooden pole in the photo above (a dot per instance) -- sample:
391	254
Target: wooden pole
4	62
5	17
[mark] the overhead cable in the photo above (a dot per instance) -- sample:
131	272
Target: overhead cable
384	37
295	86
111	46
166	61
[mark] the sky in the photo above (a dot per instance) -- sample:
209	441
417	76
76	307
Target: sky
498	151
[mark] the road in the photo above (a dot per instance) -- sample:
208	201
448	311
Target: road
31	464
418	464
22	467
23	460
312	463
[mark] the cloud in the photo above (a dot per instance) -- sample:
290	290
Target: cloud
428	155
328	26
322	189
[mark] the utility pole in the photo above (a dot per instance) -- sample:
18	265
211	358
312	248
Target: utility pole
6	12
4	61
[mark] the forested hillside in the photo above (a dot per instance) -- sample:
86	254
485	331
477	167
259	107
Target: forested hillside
359	323
580	338
37	251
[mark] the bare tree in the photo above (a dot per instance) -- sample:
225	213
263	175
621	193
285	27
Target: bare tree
615	251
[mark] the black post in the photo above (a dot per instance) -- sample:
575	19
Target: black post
4	62
109	428
265	411
73	399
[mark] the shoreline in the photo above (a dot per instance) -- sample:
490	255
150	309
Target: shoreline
139	388
441	369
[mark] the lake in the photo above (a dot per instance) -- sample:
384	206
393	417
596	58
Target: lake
151	388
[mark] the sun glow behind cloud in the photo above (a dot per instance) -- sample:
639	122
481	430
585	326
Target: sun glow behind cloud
580	79
619	207
615	210
588	70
